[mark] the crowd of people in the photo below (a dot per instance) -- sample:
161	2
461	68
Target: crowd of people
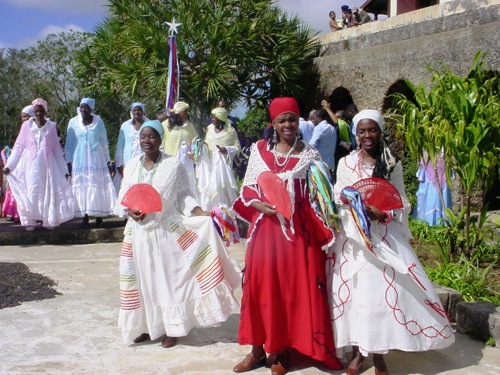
321	264
351	17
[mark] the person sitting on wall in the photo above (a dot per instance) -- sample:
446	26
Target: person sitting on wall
361	16
344	9
334	24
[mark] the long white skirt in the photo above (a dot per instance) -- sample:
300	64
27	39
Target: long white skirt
383	301
41	191
217	185
174	279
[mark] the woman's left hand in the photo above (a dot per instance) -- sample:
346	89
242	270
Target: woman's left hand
222	149
374	213
197	211
137	215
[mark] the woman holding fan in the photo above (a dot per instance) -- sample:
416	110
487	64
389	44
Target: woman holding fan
175	273
381	298
284	303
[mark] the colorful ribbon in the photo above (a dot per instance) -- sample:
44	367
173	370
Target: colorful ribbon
353	199
321	194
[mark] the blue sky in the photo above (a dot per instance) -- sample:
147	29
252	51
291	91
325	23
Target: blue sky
26	21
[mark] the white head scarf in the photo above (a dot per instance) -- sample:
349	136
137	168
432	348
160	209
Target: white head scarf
29	110
370	114
220	113
90	102
180	107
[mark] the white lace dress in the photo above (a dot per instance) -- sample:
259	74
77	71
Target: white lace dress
383	301
37	177
175	272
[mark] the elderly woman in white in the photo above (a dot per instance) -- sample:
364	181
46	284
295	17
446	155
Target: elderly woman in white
216	182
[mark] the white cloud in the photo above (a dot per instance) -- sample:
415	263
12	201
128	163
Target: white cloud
49	29
93	7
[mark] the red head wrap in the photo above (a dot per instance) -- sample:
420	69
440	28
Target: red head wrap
279	106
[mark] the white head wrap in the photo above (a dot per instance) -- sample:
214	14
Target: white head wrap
41	102
370	114
90	102
138	104
220	113
180	107
29	110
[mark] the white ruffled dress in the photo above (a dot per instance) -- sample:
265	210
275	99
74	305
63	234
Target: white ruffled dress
381	300
175	272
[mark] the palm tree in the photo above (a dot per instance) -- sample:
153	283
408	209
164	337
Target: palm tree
239	50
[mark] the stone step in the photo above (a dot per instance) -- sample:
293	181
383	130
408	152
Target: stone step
68	233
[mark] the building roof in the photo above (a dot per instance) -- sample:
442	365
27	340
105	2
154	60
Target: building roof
376	7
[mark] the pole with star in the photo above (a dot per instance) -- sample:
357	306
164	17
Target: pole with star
173	67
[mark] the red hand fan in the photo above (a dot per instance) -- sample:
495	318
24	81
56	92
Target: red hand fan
274	189
142	197
379	193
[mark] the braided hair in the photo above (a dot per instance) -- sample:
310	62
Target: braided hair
386	159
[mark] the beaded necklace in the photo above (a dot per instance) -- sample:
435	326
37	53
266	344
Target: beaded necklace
362	167
151	172
287	157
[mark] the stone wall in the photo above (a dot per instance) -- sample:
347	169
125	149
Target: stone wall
372	59
368	59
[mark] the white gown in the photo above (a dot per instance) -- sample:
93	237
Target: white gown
175	272
381	301
37	176
216	182
88	151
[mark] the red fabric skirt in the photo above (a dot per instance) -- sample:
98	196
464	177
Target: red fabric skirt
284	302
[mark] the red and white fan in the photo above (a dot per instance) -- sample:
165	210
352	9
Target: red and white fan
142	197
379	193
274	189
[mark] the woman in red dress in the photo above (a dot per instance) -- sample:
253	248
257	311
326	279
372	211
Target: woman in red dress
284	303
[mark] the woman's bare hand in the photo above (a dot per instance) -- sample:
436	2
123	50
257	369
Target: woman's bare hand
374	213
265	207
137	215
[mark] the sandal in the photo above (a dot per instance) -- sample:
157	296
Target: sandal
168	341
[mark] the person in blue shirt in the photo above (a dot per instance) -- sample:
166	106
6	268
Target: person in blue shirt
324	137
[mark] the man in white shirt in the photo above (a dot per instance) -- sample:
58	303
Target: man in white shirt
306	128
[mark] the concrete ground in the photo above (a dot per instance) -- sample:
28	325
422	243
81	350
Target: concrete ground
77	333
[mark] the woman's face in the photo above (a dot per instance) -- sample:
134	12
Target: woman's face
287	126
39	112
369	134
216	121
333	15
138	113
183	116
85	110
150	140
24	117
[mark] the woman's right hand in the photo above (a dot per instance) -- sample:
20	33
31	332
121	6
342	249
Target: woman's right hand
265	207
6	171
137	215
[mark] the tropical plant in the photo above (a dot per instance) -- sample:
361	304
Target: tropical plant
53	61
254	122
468	277
459	117
16	91
238	50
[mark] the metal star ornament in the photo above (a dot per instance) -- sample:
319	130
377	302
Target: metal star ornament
173	26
